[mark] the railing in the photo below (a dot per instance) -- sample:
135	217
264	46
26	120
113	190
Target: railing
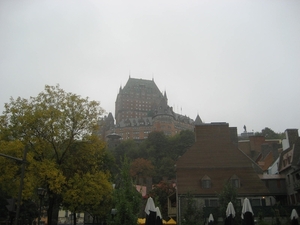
172	211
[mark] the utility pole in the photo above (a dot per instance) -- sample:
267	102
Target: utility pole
21	181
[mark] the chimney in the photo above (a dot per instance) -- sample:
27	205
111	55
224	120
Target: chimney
256	142
291	136
212	132
233	135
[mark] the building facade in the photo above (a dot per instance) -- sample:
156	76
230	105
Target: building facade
213	161
289	166
142	108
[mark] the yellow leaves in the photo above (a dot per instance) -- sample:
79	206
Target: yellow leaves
63	152
48	172
87	189
10	169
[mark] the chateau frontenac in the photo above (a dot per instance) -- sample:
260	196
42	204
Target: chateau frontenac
142	108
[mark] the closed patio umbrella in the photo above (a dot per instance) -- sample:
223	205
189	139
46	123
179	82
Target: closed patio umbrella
150	212
294	217
210	219
247	213
158	217
230	214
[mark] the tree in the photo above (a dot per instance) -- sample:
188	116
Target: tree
166	168
192	213
87	192
141	168
160	193
229	194
181	142
270	134
128	148
58	129
156	146
127	199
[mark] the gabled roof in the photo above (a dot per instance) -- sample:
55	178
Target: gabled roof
290	157
198	120
216	155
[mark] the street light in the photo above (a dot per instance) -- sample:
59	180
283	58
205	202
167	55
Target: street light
41	193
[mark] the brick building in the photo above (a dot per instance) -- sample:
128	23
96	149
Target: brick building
142	108
214	160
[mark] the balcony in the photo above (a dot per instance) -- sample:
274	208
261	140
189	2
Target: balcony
297	185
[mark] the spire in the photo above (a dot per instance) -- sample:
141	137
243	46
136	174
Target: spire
198	120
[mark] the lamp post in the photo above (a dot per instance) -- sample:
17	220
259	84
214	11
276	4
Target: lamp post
41	194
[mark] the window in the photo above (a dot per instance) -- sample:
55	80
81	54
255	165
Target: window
255	202
206	182
235	181
211	202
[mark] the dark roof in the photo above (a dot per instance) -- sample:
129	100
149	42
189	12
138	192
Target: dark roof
294	153
140	84
198	120
216	156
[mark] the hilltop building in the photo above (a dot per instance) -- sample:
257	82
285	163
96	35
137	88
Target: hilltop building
140	109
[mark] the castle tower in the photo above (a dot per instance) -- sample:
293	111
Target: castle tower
137	99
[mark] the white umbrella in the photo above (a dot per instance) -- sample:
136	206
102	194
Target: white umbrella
158	217
230	214
294	214
294	217
210	219
247	212
230	210
150	212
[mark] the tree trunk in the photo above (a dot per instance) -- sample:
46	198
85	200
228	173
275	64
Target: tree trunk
53	209
74	217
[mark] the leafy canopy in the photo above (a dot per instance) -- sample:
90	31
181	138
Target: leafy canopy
58	128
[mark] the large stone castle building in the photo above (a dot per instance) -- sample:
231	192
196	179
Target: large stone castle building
142	108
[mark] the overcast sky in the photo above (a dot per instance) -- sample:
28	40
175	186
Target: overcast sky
228	61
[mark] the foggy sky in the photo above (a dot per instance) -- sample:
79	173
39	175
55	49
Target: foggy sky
228	61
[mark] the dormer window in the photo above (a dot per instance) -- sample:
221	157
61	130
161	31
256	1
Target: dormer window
235	181
206	182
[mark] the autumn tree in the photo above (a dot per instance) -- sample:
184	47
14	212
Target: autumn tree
57	127
160	193
140	169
